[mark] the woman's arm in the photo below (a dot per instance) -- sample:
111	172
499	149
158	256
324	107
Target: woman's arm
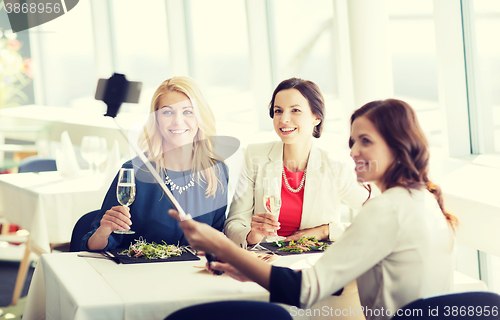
221	197
116	218
238	223
203	237
321	232
360	248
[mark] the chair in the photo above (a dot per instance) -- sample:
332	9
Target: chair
472	305
37	164
19	140
81	228
232	310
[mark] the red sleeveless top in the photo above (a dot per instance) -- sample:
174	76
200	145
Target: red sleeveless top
291	203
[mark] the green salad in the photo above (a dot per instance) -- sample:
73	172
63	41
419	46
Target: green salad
151	250
304	244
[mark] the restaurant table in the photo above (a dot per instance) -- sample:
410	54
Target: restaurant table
66	286
79	122
47	205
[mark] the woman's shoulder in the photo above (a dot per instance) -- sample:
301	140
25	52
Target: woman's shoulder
262	147
396	198
381	204
403	195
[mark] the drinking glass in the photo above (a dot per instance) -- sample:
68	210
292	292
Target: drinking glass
125	192
101	152
272	201
87	151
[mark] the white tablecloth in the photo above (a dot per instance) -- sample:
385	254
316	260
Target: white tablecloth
66	286
48	205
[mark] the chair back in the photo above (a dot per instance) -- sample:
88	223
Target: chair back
37	164
81	228
480	305
232	310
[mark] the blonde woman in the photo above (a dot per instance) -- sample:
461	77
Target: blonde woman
177	140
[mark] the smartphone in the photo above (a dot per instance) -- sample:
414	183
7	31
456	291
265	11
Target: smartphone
132	94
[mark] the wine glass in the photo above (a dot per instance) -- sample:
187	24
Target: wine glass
101	152
272	201
87	151
125	192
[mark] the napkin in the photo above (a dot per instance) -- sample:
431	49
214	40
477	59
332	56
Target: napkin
113	165
66	161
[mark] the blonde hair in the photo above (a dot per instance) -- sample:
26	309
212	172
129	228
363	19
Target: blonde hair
151	140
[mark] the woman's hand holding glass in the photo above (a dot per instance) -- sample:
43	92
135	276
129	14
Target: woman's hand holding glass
272	203
116	218
266	224
263	224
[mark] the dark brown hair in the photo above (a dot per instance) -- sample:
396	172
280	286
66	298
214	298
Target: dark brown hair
397	122
311	92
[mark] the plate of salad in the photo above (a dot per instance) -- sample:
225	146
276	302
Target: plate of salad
143	252
303	245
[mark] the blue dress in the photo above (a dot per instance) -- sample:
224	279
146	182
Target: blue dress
149	211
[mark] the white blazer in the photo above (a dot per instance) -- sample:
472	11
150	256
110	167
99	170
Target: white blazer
327	182
399	248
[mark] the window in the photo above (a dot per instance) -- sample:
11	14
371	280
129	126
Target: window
485	110
66	57
220	58
413	54
494	272
16	72
303	42
141	45
486	15
302	36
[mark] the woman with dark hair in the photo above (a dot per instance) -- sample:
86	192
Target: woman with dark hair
311	183
401	245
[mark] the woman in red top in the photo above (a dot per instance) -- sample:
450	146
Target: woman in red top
312	184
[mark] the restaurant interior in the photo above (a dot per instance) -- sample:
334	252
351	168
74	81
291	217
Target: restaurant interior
440	56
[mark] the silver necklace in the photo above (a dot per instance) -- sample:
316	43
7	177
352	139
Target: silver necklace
176	187
300	185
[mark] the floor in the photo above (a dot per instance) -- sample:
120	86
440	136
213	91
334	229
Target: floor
13	312
10	257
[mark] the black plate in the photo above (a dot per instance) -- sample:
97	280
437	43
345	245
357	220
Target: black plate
271	247
185	256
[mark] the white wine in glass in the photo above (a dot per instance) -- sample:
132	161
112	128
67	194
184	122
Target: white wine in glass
125	192
272	201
